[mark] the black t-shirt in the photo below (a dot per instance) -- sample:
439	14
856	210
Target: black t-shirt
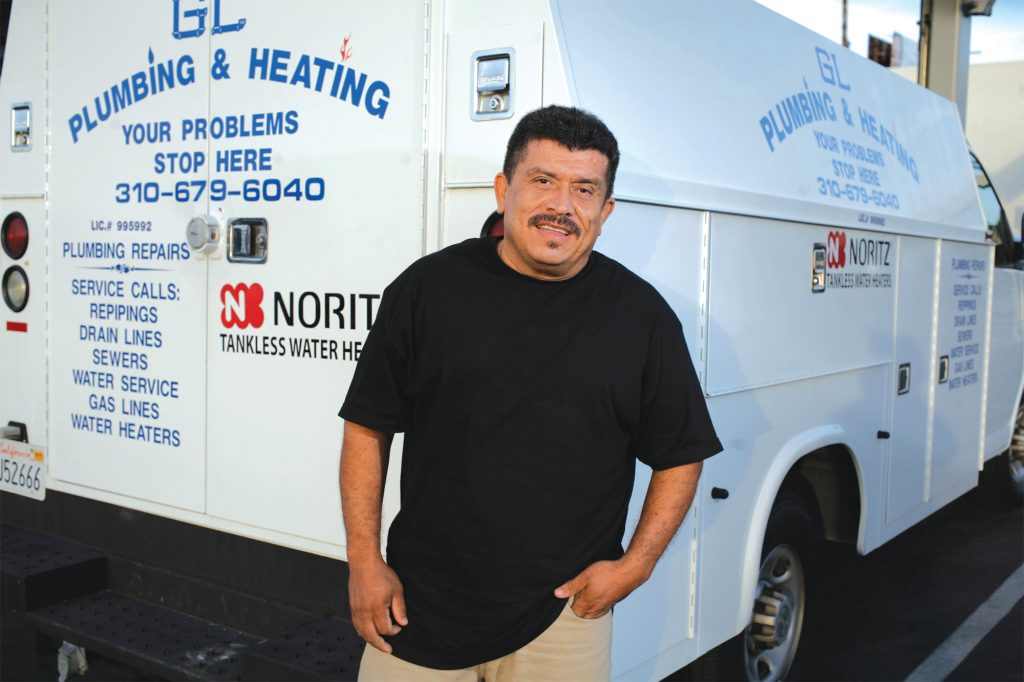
524	403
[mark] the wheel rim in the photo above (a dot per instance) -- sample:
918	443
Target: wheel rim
774	631
1017	449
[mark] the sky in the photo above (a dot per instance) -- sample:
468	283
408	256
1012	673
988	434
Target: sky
998	38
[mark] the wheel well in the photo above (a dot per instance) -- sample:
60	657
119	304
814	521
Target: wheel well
830	474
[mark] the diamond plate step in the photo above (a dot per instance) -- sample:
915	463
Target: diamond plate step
327	649
38	570
151	638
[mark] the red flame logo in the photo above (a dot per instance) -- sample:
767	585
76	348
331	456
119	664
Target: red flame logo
346	50
836	249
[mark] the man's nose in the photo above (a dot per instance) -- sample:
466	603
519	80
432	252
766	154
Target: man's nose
560	200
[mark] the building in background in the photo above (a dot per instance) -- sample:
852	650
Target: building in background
904	50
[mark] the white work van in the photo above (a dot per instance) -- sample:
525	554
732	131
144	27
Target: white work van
212	195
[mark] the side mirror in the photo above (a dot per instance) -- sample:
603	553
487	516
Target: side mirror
1018	246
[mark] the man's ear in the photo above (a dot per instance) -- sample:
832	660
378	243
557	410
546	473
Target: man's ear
606	211
500	187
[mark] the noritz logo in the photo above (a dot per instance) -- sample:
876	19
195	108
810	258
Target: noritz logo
857	251
243	308
857	262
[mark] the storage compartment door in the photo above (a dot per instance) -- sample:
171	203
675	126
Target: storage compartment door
316	170
911	402
127	315
957	435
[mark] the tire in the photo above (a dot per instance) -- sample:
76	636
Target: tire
1003	476
775	641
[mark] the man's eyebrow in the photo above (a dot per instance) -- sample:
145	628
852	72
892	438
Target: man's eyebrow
532	170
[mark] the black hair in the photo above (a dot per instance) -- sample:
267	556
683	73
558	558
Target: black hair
573	128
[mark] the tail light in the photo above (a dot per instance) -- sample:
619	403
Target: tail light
14	240
14	236
15	288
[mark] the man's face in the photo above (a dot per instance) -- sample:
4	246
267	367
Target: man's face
554	206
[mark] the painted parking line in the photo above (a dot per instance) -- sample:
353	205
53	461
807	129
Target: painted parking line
950	653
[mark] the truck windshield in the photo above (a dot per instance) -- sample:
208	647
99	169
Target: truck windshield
995	216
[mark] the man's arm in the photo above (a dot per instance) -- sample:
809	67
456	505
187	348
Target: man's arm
373	588
603	584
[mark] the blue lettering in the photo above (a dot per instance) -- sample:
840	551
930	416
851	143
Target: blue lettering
200	16
766	128
377	98
218	27
279	63
258	61
301	74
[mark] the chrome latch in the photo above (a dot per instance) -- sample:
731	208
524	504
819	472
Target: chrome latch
818	269
21	127
493	74
247	240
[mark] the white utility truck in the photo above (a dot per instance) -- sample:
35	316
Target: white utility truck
203	200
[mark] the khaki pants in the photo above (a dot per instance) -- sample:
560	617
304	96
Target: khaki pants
573	648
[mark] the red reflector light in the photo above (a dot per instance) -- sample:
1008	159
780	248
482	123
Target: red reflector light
14	236
17	326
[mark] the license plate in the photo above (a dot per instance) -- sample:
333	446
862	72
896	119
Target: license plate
23	469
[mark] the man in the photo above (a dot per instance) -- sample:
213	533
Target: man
527	374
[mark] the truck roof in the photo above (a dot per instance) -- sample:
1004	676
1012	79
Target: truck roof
728	106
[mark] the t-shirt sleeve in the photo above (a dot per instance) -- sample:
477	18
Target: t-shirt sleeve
378	395
675	427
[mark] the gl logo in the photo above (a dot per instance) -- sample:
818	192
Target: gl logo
242	305
199	15
828	64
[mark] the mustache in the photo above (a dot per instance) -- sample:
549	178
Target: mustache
559	220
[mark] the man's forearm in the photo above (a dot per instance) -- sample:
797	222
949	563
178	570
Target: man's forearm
668	499
364	462
374	591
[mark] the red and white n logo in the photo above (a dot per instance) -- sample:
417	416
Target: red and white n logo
241	305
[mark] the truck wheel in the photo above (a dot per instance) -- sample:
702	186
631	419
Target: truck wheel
1003	476
774	640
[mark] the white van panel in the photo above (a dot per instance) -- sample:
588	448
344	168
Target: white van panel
958	431
767	326
909	449
1006	367
764	433
665	246
465	210
475	148
660	616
